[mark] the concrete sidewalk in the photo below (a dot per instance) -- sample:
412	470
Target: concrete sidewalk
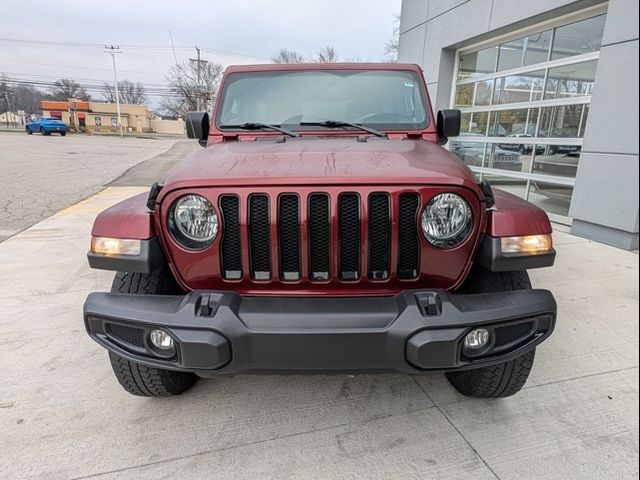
63	414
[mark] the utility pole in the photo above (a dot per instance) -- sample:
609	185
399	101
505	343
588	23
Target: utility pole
199	88
111	50
6	99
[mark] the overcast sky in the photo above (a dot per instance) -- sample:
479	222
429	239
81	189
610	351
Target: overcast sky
242	31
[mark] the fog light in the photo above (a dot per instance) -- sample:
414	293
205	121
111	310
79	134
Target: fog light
477	338
161	339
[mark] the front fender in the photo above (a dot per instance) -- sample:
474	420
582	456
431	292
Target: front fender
513	216
128	219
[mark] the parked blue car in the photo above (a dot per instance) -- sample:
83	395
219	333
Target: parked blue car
47	126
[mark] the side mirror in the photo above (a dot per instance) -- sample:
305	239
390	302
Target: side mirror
448	125
198	126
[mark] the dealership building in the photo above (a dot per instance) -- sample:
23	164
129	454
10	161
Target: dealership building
548	91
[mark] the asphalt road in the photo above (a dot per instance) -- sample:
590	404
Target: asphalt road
41	175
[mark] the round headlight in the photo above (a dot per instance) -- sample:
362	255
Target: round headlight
447	220
193	221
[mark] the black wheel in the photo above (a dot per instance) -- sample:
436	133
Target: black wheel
29	132
522	149
62	134
503	379
139	379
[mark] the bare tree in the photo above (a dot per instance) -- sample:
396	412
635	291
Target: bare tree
6	94
391	48
327	54
28	98
67	88
129	93
186	88
287	56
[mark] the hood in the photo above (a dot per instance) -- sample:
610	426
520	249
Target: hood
323	161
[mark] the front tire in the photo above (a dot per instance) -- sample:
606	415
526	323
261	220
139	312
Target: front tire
62	134
135	378
29	132
504	379
143	381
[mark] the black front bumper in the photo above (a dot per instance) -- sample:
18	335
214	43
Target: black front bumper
412	332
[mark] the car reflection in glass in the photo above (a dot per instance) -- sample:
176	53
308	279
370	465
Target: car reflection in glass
474	154
559	161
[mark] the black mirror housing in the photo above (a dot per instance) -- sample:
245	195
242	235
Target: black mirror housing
448	124
198	126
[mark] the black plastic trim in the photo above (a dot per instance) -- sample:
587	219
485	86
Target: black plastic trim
490	256
153	195
149	259
414	331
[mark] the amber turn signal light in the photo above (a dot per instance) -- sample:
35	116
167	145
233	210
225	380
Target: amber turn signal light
527	245
115	246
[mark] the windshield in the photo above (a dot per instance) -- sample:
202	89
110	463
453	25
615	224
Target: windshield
387	99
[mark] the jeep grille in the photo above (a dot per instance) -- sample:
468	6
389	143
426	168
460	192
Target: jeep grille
361	243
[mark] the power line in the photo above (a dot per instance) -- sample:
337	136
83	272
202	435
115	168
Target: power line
79	67
129	46
78	79
151	91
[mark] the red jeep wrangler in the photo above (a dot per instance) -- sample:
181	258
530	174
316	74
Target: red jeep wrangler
322	229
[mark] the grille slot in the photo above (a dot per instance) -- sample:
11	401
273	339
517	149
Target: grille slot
260	237
231	249
379	236
408	242
289	237
319	237
513	333
349	236
130	335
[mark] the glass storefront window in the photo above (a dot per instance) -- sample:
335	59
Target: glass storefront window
573	80
464	95
519	88
475	122
524	51
471	153
505	157
583	123
551	197
514	186
543	100
478	63
514	123
578	38
563	121
557	160
474	94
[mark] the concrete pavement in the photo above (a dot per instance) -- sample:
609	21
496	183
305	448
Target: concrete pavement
63	414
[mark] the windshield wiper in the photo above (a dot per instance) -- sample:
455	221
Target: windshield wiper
341	123
262	126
